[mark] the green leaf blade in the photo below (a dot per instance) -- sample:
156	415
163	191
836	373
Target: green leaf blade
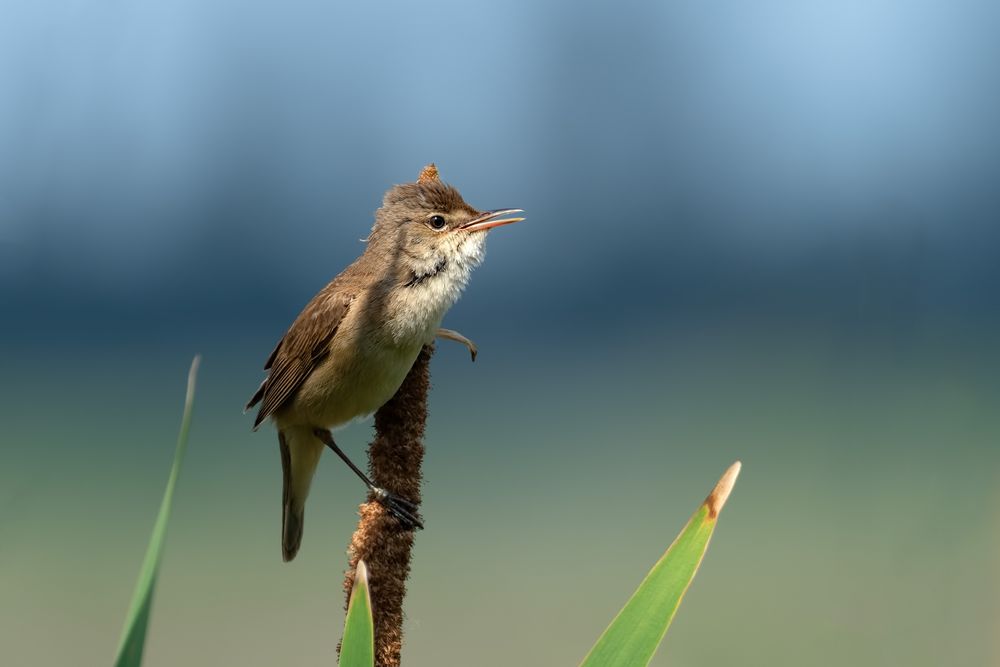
358	646
637	630
133	639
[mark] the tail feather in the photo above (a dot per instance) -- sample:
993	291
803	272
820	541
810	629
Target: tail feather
300	452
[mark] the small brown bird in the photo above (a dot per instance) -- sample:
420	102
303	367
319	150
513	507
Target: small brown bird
350	348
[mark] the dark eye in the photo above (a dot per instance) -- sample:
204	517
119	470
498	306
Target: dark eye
436	222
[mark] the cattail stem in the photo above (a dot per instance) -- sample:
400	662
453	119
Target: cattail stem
394	460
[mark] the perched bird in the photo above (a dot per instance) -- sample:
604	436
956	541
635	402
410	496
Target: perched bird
350	348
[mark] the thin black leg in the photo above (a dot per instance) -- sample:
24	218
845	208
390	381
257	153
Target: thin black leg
401	508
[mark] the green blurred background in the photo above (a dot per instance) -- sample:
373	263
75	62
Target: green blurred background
864	528
761	231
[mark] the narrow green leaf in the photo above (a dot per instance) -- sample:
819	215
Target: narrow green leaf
134	633
637	630
358	647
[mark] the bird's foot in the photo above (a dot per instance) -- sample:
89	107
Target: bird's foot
401	508
448	334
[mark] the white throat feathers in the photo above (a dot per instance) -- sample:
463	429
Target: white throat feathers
433	286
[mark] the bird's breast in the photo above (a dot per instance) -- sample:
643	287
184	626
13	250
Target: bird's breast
355	380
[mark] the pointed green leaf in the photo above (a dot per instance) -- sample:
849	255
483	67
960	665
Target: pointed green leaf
133	637
358	647
637	630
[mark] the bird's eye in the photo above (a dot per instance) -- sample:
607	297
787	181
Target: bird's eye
436	222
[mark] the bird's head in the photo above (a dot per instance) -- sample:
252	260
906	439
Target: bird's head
429	228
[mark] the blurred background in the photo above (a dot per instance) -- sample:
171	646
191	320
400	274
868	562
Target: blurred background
760	230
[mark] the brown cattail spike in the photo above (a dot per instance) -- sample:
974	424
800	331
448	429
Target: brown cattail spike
429	174
394	460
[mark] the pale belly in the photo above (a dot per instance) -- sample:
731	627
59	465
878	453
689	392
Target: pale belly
350	384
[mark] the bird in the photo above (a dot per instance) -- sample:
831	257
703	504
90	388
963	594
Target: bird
350	348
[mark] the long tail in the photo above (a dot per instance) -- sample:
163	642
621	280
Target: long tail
300	452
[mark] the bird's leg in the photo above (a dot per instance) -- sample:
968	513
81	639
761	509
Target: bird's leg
401	508
459	338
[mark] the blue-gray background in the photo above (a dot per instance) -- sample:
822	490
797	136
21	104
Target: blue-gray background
757	230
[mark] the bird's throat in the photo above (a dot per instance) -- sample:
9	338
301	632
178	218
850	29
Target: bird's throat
418	278
429	289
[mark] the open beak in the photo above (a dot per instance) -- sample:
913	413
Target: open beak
491	219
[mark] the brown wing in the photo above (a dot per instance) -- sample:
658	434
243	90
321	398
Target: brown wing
259	394
301	350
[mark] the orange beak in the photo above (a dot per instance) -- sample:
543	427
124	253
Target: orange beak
491	219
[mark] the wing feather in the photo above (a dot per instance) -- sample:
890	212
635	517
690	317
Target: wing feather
301	350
